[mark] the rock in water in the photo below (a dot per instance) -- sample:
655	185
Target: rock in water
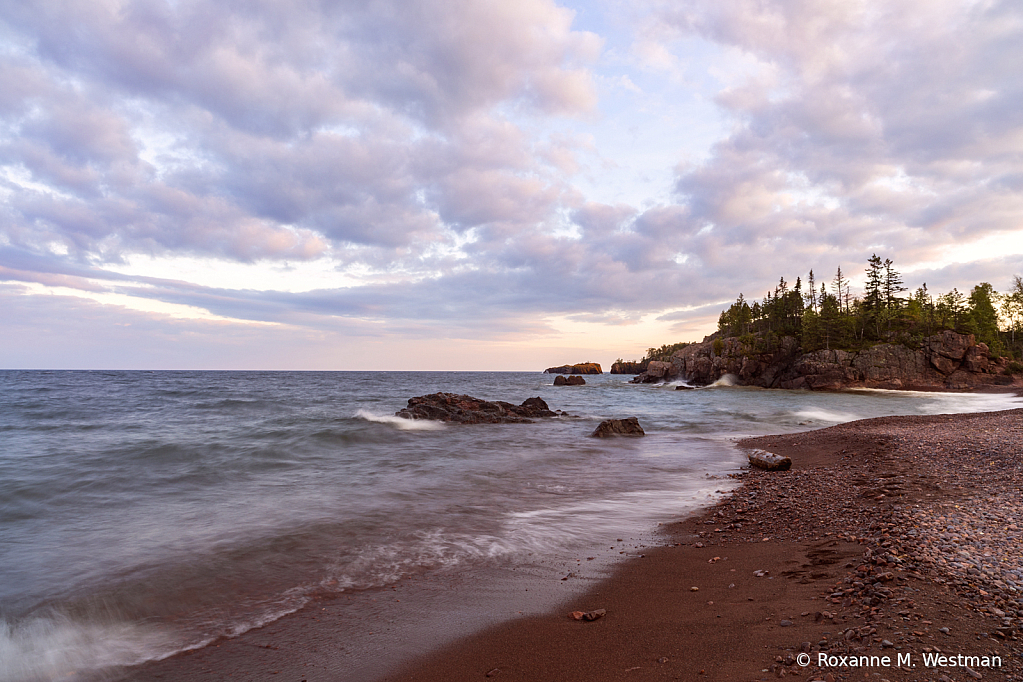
762	459
573	380
464	409
581	368
619	427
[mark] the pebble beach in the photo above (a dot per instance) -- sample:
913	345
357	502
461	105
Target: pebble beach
935	504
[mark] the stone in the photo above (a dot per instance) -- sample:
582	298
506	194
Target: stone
588	615
618	427
464	409
769	461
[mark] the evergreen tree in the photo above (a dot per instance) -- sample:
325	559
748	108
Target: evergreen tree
811	291
873	295
949	309
923	309
982	318
1012	309
840	285
891	287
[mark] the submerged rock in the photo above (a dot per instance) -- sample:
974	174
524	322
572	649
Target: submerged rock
464	409
618	427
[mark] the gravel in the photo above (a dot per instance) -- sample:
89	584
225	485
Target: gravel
935	502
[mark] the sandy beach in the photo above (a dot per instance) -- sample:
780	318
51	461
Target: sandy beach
892	542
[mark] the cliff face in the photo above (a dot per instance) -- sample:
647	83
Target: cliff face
945	361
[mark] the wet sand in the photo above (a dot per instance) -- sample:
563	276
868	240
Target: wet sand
853	552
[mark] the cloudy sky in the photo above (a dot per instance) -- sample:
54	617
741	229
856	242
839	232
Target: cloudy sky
476	184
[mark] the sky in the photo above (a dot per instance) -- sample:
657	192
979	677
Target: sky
482	185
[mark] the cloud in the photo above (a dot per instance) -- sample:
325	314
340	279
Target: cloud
435	155
258	132
871	134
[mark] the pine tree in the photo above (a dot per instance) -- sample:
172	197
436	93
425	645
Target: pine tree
891	288
873	294
840	285
811	291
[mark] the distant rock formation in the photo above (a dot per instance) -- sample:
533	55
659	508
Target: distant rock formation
581	368
628	367
464	409
573	380
945	361
618	427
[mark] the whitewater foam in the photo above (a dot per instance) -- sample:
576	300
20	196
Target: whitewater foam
56	647
400	422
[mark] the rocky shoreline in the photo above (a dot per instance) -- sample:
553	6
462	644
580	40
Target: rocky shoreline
947	361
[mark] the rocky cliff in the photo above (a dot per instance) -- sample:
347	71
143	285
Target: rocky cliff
947	361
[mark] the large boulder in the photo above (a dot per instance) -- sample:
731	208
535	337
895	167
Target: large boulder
949	344
769	461
618	427
464	409
573	380
976	358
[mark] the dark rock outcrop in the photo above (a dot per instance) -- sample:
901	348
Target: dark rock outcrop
581	368
573	380
618	427
945	361
464	409
628	367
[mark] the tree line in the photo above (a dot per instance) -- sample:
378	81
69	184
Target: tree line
826	315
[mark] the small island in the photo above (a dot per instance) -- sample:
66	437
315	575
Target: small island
581	368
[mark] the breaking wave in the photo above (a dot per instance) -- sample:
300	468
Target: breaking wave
400	422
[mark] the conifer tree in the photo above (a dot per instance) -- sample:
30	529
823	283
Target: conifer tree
873	294
811	291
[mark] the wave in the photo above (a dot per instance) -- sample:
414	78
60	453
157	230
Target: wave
828	416
400	422
726	380
56	647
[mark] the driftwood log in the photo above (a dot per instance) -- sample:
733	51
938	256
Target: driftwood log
762	459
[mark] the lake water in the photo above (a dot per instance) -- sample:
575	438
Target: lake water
144	513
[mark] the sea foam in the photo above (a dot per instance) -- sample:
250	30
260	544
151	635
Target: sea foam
56	647
400	422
